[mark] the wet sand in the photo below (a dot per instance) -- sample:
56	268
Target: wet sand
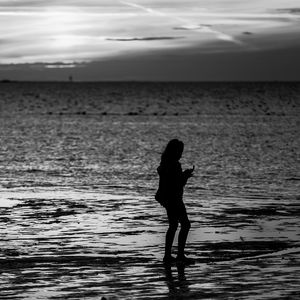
89	251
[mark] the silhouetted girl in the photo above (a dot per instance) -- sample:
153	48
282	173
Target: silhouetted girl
169	194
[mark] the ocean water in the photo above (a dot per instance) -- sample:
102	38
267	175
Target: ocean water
78	161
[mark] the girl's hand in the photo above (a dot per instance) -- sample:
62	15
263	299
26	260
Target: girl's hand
189	172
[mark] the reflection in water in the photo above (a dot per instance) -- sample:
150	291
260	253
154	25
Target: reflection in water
178	285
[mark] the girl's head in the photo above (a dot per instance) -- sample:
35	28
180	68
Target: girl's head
173	150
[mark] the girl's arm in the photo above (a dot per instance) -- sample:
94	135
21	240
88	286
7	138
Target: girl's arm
187	174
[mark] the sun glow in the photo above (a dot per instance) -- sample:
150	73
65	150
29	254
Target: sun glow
60	26
52	31
65	41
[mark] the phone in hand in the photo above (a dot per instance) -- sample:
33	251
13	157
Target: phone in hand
190	171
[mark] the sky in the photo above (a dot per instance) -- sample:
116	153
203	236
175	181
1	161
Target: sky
193	40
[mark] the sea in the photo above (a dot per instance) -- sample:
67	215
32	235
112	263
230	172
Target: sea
78	218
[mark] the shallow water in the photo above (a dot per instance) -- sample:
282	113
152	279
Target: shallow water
77	214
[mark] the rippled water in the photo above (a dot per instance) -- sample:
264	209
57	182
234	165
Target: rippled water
78	172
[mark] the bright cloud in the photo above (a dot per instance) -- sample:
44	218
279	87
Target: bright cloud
76	31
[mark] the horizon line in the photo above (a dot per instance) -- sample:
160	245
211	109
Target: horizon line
147	81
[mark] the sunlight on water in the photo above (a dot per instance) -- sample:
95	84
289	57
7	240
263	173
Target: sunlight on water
6	202
18	194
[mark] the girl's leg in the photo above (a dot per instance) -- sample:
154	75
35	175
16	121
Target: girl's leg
169	239
173	224
184	230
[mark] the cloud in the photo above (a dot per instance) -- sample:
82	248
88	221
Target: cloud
158	38
194	27
294	10
280	64
146	9
68	31
204	29
41	66
61	65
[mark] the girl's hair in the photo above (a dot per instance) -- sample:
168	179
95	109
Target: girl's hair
173	150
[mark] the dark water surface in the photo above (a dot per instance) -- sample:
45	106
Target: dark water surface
78	172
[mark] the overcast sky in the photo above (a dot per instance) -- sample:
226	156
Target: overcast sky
150	39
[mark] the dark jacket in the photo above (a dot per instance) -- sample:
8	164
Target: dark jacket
171	182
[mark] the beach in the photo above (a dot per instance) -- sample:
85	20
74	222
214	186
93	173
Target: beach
78	218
